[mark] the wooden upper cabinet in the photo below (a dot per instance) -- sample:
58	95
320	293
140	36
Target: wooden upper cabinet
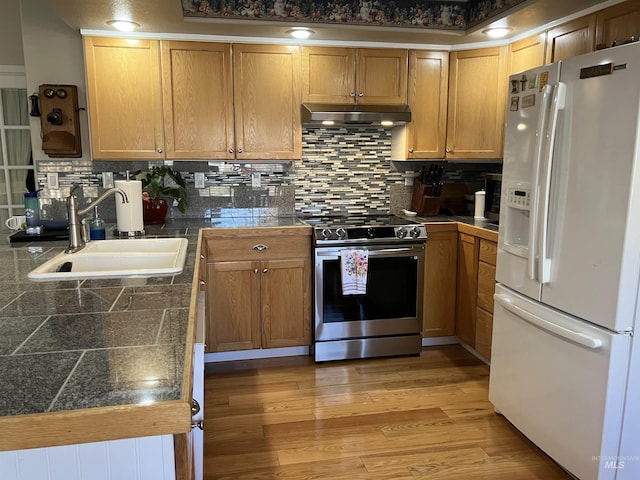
618	23
348	75
427	95
267	102
477	96
381	76
328	75
197	100
125	100
572	38
527	53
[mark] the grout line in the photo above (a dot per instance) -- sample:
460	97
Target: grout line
55	399
31	335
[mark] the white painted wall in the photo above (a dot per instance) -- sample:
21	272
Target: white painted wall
10	33
52	55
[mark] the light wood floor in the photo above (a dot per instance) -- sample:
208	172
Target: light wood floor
408	418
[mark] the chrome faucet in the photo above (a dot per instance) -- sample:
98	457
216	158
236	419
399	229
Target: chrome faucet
77	236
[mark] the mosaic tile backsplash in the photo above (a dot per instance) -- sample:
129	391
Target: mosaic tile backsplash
342	171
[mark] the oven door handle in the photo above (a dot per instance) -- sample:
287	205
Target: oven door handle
335	252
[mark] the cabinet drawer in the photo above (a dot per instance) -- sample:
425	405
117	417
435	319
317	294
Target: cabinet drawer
484	330
253	248
488	251
486	286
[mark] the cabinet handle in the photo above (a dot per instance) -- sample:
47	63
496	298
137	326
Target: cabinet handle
198	424
202	255
159	150
203	283
448	150
361	94
255	270
411	150
352	94
265	270
195	407
261	247
231	150
239	150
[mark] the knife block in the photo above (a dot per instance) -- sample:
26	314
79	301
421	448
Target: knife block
422	201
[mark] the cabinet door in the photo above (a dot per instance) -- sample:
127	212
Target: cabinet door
467	288
571	38
381	76
440	284
233	306
197	100
328	75
484	331
267	102
486	286
618	23
286	303
427	95
526	53
477	96
124	96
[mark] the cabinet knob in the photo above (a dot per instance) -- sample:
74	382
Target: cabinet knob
231	150
265	270
361	94
255	270
260	247
199	424
202	255
352	94
195	407
203	283
448	150
239	150
159	150
411	150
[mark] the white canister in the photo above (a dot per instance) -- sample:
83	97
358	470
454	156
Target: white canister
479	205
129	215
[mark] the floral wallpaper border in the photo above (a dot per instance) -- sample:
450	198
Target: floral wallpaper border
443	15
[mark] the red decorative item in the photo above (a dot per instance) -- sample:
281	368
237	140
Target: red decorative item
154	210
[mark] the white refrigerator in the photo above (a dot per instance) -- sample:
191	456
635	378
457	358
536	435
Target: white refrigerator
565	365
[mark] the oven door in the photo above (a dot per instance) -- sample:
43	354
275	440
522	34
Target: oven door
392	304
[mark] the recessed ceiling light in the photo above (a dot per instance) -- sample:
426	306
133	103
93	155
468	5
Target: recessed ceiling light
123	25
300	32
497	32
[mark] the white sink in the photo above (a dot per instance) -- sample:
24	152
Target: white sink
143	257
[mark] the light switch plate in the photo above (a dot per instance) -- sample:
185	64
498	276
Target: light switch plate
52	180
107	179
199	179
256	180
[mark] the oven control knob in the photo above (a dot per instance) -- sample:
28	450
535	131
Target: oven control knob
401	232
415	232
341	233
326	233
371	233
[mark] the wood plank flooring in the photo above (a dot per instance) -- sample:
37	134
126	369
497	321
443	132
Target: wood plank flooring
408	418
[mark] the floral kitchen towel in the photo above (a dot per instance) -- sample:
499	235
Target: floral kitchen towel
354	265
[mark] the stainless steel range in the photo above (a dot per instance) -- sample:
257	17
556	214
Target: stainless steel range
385	318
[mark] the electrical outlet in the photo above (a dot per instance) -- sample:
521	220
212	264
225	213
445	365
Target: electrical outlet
256	179
52	180
199	179
107	179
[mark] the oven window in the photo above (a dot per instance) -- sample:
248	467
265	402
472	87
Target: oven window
392	288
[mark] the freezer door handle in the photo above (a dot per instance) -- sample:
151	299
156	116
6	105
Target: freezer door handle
577	337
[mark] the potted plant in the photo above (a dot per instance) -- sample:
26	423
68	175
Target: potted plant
157	185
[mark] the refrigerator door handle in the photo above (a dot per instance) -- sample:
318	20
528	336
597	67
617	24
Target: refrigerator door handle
544	262
532	261
576	337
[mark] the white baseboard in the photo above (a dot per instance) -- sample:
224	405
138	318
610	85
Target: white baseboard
254	354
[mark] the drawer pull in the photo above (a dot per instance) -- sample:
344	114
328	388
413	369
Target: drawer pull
199	424
261	247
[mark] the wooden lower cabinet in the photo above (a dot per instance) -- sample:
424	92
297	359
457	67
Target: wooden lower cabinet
484	300
467	288
440	284
258	303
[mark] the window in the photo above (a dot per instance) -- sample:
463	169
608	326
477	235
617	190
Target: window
15	142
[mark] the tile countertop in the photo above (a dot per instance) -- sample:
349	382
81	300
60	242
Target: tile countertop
74	354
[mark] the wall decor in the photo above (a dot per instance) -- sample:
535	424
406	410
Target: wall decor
441	15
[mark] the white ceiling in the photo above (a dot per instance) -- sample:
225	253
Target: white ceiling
165	17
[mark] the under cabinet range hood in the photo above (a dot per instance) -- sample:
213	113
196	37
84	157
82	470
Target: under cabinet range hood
327	115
